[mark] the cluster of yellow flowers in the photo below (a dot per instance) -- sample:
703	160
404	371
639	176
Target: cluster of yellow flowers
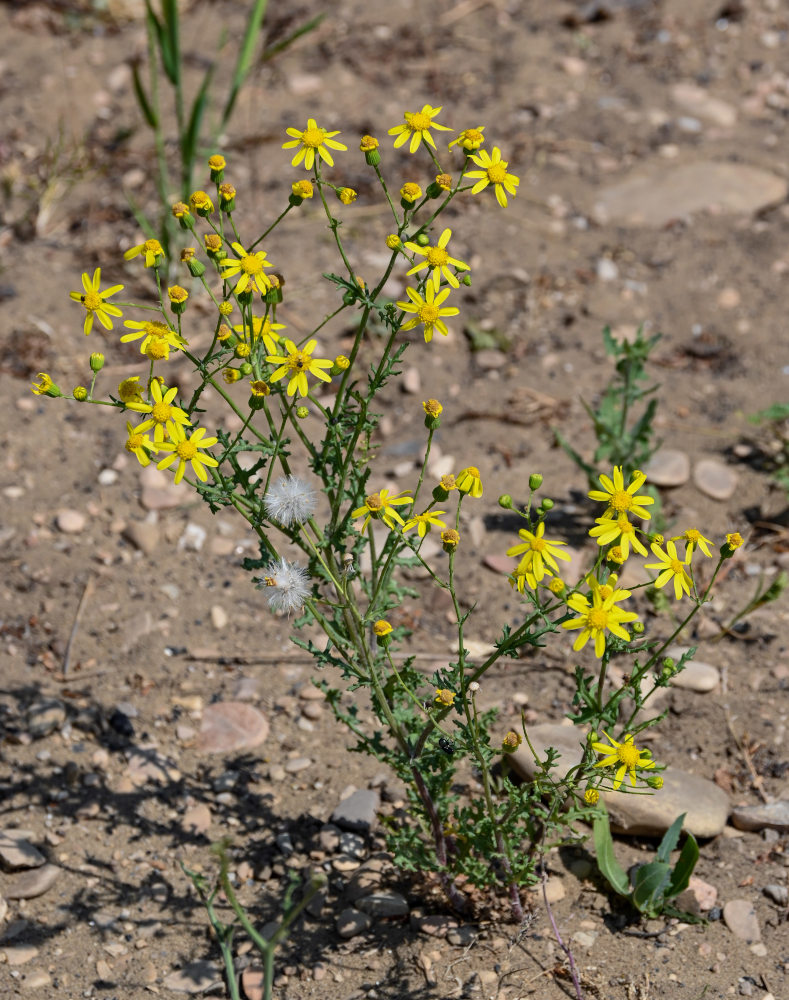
598	611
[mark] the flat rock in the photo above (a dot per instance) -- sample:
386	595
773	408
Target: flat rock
252	980
231	725
297	764
357	811
3	910
706	894
384	903
19	954
655	196
779	894
145	536
715	479
668	467
699	101
352	922
36	979
706	805
554	890
740	917
196	977
28	885
16	851
70	522
764	816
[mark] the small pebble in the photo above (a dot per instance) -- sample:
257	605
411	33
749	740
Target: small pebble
219	617
412	381
715	479
352	922
740	917
298	764
779	894
70	522
107	477
668	467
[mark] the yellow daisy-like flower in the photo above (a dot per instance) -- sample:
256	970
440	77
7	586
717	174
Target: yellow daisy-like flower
511	741
163	415
428	310
445	697
469	481
734	540
297	364
151	250
130	390
591	796
249	266
694	538
470	138
152	330
382	628
139	445
523	577
410	192
439	260
417	127
623	500
595	618
625	757
494	171
95	301
424	522
382	506
262	329
311	141
187	449
45	386
538	552
671	568
609	529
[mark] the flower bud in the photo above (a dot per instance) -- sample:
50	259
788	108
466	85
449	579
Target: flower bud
535	481
409	193
96	361
178	297
213	247
655	781
246	368
302	412
227	197
46	387
181	212
393	241
505	501
591	796
382	630
511	742
637	627
231	375
201	203
433	410
369	146
347	195
422	240
217	164
80	393
733	542
466	280
450	540
273	296
341	364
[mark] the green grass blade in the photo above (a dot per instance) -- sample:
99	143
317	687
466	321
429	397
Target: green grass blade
245	56
142	98
161	40
173	40
191	135
273	50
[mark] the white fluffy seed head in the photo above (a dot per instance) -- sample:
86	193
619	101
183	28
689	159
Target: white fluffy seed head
288	586
290	501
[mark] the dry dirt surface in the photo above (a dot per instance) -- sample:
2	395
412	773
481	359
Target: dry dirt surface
651	142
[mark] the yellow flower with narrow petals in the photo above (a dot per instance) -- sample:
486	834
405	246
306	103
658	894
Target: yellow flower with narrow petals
249	266
163	416
469	481
185	449
417	127
437	259
734	540
671	568
595	618
424	522
625	757
469	139
130	390
152	330
150	249
623	500
311	141
95	302
297	364
382	506
538	552
494	171
262	329
428	310
692	539
610	529
139	445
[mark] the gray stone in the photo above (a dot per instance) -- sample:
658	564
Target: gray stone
45	716
357	812
159	491
28	885
231	725
566	739
384	903
463	936
656	196
145	536
70	522
196	977
700	102
668	467
740	917
434	924
764	816
352	922
715	479
19	954
16	851
779	894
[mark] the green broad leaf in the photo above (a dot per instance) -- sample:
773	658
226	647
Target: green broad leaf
670	839
649	885
609	867
683	869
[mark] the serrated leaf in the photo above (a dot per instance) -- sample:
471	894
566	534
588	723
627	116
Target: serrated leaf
609	867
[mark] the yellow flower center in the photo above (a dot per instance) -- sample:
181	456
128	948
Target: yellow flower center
628	755
92	301
374	502
251	264
419	122
186	450
134	442
473	135
538	544
606	591
161	412
312	137
436	256
624	525
621	500
473	471
677	567
692	535
598	619
300	362
157	349
496	173
153	246
428	314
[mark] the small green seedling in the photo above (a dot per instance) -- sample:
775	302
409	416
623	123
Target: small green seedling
656	883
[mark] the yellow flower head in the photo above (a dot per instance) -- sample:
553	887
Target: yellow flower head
469	139
216	162
417	127
311	141
432	407
177	295
591	796
152	331
423	522
621	499
130	390
201	203
180	210
511	741
393	241
410	192
448	483
445	697
694	538
45	386
162	414
450	539
671	568
625	757
296	364
609	529
734	540
302	189
595	618
186	449
347	195
470	481
259	388
382	506
249	267
382	628
557	586
539	552
139	445
438	261
368	144
95	302
428	310
150	249
494	171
